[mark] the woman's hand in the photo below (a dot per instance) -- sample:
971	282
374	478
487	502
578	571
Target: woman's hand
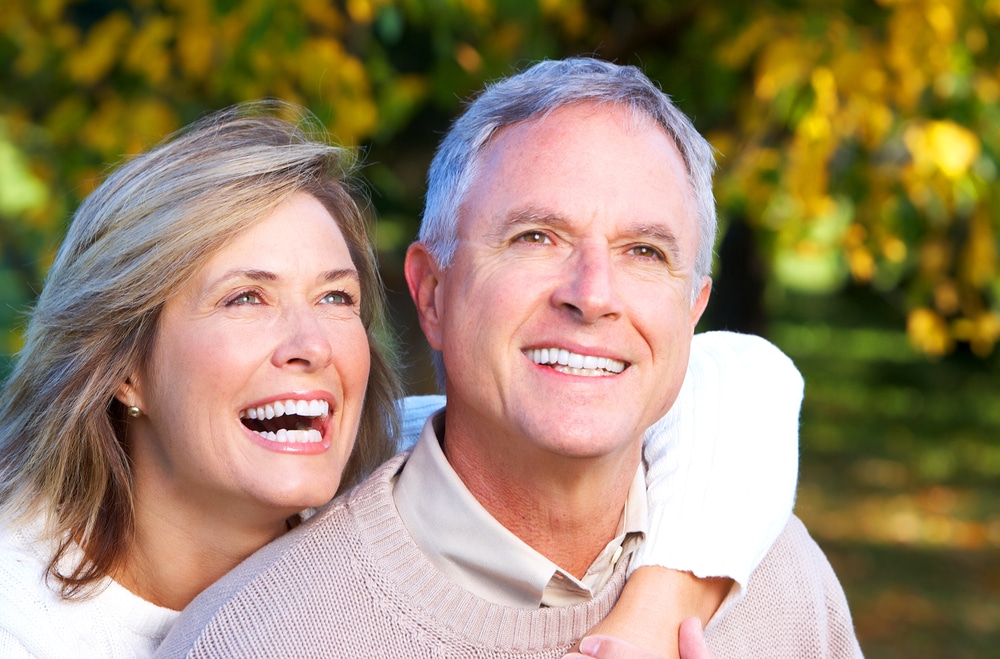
691	642
655	602
603	646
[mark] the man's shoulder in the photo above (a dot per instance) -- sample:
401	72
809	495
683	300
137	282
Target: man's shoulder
794	556
284	574
794	606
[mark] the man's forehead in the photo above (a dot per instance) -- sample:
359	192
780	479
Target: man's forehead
524	163
537	139
628	118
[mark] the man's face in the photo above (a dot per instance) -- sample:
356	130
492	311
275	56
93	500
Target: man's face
566	316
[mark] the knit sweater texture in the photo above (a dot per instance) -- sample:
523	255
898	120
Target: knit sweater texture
351	583
36	622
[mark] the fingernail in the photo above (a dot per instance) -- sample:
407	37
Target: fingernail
590	645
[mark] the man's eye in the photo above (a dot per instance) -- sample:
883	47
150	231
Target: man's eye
533	237
647	252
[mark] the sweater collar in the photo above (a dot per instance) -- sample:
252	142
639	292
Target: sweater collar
478	553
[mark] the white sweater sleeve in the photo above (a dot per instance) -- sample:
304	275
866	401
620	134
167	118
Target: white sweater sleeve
722	465
414	410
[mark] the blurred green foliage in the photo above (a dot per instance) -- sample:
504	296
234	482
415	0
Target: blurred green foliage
899	478
859	140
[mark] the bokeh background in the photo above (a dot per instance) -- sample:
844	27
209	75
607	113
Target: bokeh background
859	147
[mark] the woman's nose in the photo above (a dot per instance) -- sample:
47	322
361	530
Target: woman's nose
305	342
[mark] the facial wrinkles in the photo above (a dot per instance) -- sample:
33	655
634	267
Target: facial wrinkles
657	235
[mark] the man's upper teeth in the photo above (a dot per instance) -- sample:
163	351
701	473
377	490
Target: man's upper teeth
564	357
312	408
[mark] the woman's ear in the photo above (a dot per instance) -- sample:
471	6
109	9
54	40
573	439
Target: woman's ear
129	394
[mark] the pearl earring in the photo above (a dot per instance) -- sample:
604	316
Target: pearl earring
134	411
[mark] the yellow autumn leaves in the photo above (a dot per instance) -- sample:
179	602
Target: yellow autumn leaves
864	146
870	149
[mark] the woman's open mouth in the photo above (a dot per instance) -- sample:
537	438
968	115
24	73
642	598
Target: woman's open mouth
288	421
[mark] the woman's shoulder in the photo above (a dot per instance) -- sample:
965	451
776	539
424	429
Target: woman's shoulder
35	620
25	597
23	551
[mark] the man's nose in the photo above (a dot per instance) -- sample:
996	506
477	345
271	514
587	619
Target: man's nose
589	290
304	341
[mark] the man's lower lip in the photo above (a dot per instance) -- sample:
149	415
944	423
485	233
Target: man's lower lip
590	374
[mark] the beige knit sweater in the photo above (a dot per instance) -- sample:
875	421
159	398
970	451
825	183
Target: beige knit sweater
351	583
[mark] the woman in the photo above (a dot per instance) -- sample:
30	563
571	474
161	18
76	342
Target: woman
207	351
205	283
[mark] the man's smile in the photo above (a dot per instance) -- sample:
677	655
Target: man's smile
574	363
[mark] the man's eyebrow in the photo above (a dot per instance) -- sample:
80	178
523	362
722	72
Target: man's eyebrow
537	216
528	217
657	234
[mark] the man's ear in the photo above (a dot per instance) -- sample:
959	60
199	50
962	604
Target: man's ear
700	302
424	280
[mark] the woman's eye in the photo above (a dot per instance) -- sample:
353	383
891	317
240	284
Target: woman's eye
533	237
338	297
247	297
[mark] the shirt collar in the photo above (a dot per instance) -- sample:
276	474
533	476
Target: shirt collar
478	553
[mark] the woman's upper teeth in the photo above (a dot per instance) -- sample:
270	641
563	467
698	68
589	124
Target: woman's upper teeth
311	408
565	357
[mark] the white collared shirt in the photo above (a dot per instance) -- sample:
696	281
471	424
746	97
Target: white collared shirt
478	553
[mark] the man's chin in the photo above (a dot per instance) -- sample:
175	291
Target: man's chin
593	441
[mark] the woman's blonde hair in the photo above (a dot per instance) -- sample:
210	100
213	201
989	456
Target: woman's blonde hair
134	242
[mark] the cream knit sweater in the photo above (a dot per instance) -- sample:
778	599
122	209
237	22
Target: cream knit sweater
351	583
36	622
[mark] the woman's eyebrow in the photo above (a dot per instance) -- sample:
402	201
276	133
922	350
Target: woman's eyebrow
254	274
340	273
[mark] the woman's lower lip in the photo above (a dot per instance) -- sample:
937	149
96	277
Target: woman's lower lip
300	448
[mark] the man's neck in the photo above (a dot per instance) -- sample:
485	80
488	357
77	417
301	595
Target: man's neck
566	508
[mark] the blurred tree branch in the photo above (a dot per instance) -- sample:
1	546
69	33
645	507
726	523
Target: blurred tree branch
859	141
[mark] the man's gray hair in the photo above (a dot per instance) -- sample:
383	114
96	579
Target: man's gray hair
534	93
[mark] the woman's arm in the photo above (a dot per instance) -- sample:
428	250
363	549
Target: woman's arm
413	412
722	467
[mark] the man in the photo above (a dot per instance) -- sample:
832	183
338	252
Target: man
563	265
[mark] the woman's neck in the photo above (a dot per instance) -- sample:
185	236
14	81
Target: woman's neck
173	559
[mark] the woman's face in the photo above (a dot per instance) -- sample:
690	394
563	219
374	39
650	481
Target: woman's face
252	394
